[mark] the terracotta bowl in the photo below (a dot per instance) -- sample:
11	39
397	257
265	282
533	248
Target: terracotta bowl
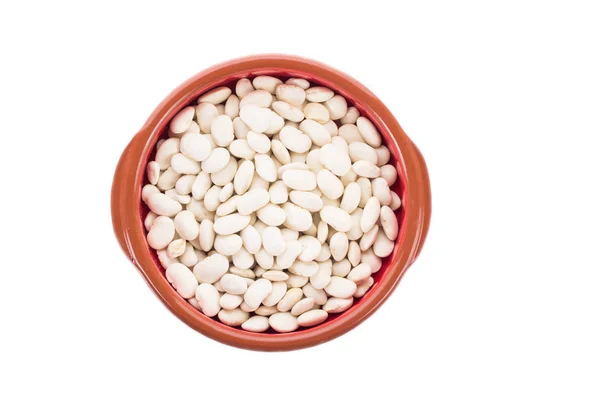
128	211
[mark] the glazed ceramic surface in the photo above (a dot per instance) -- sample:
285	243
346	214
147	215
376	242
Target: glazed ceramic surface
128	211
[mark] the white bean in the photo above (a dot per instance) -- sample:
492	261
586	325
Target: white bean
381	190
351	198
147	191
205	115
231	223
275	275
350	133
264	259
216	161
257	292
337	305
182	279
288	111
290	299
366	169
235	317
211	269
256	323
338	246
259	142
312	318
302	268
383	155
168	179
296	218
318	295
161	204
319	94
290	94
294	140
230	301
268	83
265	167
260	98
317	112
228	245
337	107
383	246
396	202
367	240
150	217
283	322
322	277
182	120
368	257
389	223
370	214
368	131
302	306
311	248
243	87
340	287
186	225
234	284
215	96
315	131
161	233
195	146
329	184
341	268
354	253
243	259
359	273
241	149
184	184
251	239
335	160
351	116
337	218
362	151
256	118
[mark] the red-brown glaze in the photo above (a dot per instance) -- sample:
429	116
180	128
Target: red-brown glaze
412	186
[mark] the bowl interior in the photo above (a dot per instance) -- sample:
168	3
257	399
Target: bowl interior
161	132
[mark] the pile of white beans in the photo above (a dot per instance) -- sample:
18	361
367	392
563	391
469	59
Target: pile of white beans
271	207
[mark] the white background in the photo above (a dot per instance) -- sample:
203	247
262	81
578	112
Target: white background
503	99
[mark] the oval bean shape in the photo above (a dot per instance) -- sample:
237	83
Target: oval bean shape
182	279
257	292
161	233
209	299
283	322
306	200
273	241
234	284
296	218
337	218
335	160
340	287
312	318
231	223
329	184
299	179
272	214
211	269
253	201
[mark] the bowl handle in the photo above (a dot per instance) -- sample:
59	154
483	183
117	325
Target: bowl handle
123	178
425	196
